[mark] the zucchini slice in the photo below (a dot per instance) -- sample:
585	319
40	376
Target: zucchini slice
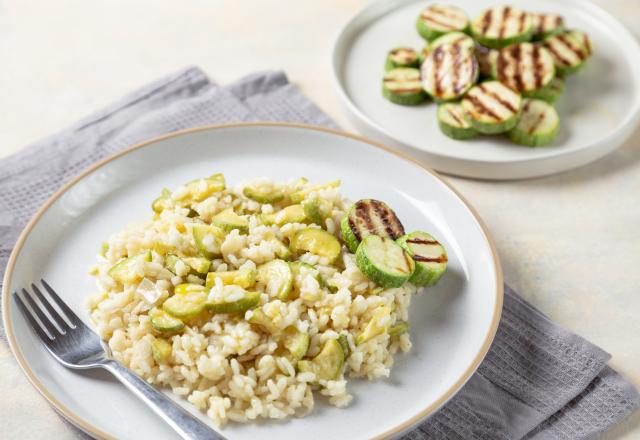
402	86
384	261
228	220
538	125
160	350
550	93
318	242
568	52
125	270
277	277
248	301
453	123
398	329
429	255
187	302
366	217
492	107
524	67
327	365
583	38
439	20
449	71
244	278
401	57
296	342
263	193
164	322
456	38
207	239
486	60
317	210
379	324
501	26
546	25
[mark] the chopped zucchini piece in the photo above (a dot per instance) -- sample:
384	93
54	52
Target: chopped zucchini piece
296	342
456	38
281	250
207	238
401	57
196	265
501	26
436	21
367	217
104	248
538	125
248	301
384	261
228	220
187	302
295	271
491	107
263	193
318	242
244	278
317	210
327	365
546	25
402	86
200	189
568	51
300	195
398	329
344	343
379	324
125	270
161	350
277	277
259	318
452	122
163	202
429	255
524	67
290	214
164	322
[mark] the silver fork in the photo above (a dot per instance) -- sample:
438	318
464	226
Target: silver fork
74	345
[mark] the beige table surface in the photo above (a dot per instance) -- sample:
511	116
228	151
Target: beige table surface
570	243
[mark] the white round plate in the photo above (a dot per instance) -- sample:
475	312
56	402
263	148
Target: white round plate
599	110
452	325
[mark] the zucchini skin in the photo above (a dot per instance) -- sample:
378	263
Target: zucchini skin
414	96
529	136
458	133
549	93
390	63
404	99
379	275
430	34
424	275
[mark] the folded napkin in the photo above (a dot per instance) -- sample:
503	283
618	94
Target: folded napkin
538	381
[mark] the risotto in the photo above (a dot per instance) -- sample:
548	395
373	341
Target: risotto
251	301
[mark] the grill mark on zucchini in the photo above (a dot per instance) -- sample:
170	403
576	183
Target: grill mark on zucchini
576	50
362	211
455	74
421	241
455	116
516	53
521	21
557	55
388	224
537	67
481	107
433	20
505	104
486	21
440	259
437	56
535	125
503	21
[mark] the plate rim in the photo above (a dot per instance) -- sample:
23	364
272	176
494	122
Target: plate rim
90	428
379	8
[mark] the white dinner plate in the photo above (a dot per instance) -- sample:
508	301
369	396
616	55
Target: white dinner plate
452	324
599	110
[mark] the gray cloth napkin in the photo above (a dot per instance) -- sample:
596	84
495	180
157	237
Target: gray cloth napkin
538	381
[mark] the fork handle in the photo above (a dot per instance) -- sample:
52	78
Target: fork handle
184	423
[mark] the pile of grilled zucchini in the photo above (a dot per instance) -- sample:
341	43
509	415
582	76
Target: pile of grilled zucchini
384	253
499	73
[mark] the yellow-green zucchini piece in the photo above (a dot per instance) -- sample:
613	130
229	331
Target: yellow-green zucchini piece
438	20
430	257
248	301
200	189
501	26
289	214
302	194
538	125
228	220
164	322
384	261
207	238
524	67
327	365
245	278
344	343
263	193
379	324
318	242
259	318
161	350
491	107
296	342
449	71
398	329
125	270
163	202
366	217
402	86
277	277
317	210
401	57
187	302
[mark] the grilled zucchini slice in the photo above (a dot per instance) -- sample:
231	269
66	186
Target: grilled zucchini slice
449	71
538	124
583	38
453	123
384	261
164	322
366	217
501	26
125	270
568	51
524	67
401	57
456	38
550	93
491	107
327	365
248	301
402	86
318	242
187	302
277	277
244	278
439	20
429	255
546	25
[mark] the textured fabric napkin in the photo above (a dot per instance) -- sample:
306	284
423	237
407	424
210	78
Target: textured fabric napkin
538	381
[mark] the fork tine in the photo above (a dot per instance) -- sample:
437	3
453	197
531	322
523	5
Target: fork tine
41	315
52	310
73	318
47	335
